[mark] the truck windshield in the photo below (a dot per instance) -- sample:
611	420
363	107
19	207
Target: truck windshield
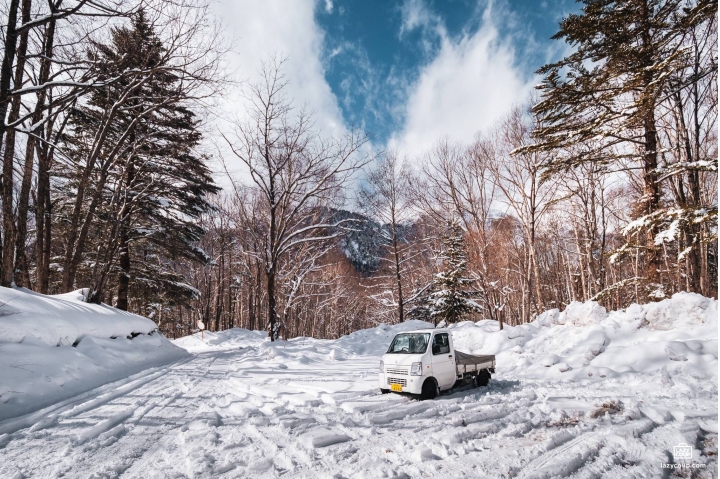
409	343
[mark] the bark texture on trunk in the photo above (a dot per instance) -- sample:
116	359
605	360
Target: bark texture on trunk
6	76
398	277
124	275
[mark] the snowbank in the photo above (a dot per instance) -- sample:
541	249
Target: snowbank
62	319
676	335
55	347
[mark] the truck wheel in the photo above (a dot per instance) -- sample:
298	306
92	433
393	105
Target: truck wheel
429	389
384	391
483	378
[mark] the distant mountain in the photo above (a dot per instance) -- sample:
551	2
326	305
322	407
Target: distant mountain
364	240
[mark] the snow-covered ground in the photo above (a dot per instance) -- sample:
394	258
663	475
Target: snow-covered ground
581	393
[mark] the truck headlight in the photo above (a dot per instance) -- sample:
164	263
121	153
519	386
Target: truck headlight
416	369
382	366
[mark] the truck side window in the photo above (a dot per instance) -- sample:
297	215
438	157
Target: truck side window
441	344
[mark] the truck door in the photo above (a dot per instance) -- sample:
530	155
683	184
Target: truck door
443	362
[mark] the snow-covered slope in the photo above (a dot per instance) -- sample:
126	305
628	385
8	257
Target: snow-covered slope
55	347
582	393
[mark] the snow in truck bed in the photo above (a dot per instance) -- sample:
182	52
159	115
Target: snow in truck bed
582	393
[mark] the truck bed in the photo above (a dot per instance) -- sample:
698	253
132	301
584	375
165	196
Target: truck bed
466	363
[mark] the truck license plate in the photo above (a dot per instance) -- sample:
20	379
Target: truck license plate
396	387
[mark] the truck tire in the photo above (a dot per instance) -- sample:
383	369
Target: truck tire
430	389
483	378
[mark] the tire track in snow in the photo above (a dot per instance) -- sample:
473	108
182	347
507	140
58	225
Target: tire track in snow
189	435
384	450
61	408
569	457
127	408
160	441
140	467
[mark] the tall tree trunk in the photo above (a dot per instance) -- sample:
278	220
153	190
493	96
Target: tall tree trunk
651	196
272	254
124	276
272	305
6	74
251	309
124	249
22	266
43	220
692	259
535	268
43	204
651	188
21	275
220	286
401	312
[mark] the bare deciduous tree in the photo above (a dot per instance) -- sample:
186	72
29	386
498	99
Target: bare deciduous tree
297	172
386	197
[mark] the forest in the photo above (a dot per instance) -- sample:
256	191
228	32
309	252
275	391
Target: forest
117	180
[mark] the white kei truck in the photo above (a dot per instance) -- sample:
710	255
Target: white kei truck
425	362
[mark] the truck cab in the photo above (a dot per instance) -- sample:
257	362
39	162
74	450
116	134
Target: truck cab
417	359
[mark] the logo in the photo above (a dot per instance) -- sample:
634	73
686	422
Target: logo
682	452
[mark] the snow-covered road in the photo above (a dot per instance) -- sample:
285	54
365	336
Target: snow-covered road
241	407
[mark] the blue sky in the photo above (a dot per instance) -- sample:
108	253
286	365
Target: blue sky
374	49
409	72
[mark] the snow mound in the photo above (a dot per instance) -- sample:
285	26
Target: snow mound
582	314
678	334
235	338
56	347
62	319
549	360
366	342
683	309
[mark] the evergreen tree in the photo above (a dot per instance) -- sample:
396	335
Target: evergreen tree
450	302
153	190
599	104
420	303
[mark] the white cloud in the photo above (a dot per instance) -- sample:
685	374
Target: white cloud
415	14
261	29
328	6
470	84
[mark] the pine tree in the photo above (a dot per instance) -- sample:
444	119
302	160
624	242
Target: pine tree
451	302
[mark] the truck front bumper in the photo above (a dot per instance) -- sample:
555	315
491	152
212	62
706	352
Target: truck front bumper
409	384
